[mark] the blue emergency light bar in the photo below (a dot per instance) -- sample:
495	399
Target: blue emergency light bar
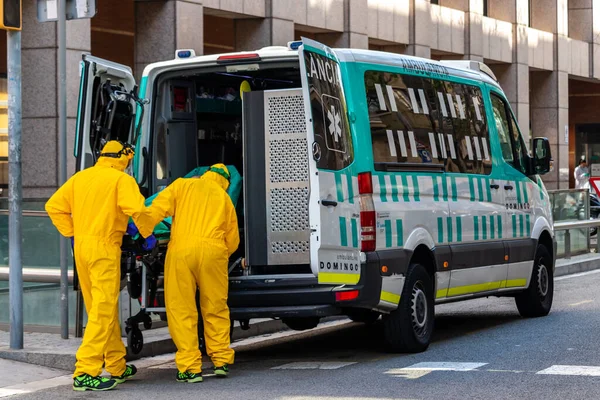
185	54
294	45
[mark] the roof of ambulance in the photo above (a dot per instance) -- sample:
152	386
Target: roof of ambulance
345	55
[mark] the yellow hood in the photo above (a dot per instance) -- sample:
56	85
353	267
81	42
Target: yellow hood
216	177
118	163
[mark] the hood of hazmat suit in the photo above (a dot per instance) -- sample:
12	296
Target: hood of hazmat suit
93	206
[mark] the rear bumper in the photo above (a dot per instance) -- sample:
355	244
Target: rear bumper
281	297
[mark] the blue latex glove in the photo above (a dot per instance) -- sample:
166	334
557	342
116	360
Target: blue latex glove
149	243
73	242
132	230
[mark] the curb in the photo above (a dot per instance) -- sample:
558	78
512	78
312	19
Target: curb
163	345
577	264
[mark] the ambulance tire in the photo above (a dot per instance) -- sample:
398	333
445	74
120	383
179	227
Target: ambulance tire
409	328
536	301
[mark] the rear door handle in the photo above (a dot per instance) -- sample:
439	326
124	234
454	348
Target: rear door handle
329	203
508	187
494	186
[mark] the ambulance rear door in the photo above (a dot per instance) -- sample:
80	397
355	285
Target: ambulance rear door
107	108
334	212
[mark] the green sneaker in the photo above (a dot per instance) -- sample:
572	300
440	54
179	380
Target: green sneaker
130	371
95	383
222	372
189	377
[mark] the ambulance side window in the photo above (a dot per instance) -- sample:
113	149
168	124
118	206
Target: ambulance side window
511	142
421	120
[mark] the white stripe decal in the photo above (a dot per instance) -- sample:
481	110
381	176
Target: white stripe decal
433	146
461	107
442	104
388	187
391	143
451	104
452	148
382	105
402	144
413	145
390	93
413	100
442	145
423	102
345	192
477	110
485	149
477	148
469	147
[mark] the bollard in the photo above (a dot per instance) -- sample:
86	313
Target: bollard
567	244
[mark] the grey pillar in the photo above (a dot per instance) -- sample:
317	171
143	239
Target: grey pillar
162	27
40	99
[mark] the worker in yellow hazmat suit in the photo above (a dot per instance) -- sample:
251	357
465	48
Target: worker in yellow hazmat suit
204	234
93	208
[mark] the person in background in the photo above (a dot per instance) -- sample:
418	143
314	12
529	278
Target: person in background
93	208
582	175
204	234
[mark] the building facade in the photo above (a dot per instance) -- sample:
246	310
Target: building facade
545	53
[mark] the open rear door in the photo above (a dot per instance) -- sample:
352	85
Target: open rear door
107	107
333	208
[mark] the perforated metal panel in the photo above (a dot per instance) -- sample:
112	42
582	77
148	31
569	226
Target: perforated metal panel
286	170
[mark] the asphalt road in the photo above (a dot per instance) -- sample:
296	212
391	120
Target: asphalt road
482	349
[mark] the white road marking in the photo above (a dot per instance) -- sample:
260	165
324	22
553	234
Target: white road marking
380	98
477	148
452	148
442	145
36	386
581	302
445	366
560	278
390	93
315	365
485	149
572	370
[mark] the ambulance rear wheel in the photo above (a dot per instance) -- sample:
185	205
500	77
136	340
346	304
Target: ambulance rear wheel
536	301
409	328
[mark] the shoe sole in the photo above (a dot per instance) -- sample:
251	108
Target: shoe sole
195	380
123	380
221	374
83	389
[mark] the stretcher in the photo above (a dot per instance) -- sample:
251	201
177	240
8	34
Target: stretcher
144	271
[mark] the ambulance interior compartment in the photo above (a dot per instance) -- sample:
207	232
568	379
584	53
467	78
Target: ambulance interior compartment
198	121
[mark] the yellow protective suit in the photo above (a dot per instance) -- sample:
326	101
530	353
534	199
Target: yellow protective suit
94	207
204	234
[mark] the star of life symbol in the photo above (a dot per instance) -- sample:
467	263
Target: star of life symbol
335	128
333	123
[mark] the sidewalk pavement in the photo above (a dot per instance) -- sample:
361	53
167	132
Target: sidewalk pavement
50	351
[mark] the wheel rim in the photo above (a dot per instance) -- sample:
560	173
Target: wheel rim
419	309
542	279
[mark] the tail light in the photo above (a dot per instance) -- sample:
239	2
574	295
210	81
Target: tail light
368	240
346	295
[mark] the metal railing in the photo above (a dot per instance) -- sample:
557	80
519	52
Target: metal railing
37	275
567	226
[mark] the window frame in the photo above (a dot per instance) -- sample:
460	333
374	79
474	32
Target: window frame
383	166
512	123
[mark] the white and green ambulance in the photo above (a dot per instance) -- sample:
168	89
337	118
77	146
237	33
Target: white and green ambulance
374	184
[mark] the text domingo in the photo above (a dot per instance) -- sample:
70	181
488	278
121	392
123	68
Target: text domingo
339	266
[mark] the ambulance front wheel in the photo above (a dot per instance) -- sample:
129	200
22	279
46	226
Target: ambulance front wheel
536	301
409	328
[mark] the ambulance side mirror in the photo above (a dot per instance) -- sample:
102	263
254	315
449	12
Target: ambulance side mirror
542	156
